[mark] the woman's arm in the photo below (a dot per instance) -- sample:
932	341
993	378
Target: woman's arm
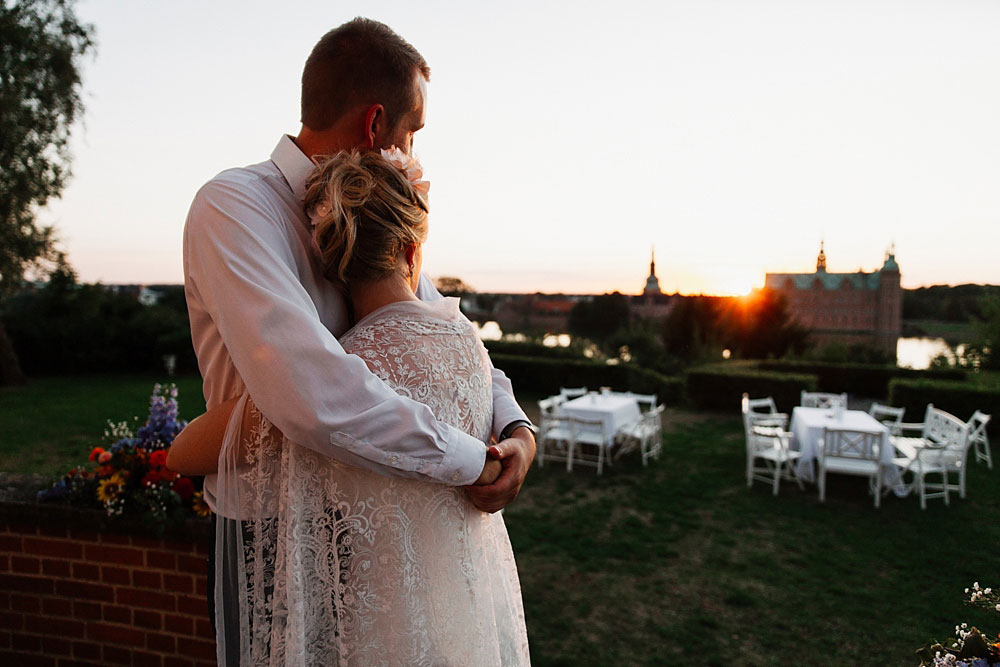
195	450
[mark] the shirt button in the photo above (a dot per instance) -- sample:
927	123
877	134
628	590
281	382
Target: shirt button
454	477
394	459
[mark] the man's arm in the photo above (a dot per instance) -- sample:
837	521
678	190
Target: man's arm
242	271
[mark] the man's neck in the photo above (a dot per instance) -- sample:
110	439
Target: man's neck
330	141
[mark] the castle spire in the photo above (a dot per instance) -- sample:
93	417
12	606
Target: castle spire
821	259
652	282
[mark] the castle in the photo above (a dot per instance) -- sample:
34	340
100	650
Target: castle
851	308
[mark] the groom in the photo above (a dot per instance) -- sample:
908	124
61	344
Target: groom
264	319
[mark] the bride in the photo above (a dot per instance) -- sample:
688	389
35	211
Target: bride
344	566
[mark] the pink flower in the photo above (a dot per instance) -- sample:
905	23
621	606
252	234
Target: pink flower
104	457
410	166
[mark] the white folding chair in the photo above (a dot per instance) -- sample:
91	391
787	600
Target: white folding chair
818	399
647	433
572	392
554	433
588	443
769	458
765	413
890	416
851	452
941	448
977	437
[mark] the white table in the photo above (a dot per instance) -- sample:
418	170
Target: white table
807	429
614	411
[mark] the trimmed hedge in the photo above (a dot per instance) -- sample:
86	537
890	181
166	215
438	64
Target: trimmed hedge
858	379
722	388
528	349
959	398
546	376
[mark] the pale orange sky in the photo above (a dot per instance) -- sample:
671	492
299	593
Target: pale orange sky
563	140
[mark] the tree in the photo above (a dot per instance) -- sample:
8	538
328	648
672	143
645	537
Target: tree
598	318
41	47
452	286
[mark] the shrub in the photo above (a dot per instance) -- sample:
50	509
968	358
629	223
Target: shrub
722	388
546	376
959	398
857	379
529	349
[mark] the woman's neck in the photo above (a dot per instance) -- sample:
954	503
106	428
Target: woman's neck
368	297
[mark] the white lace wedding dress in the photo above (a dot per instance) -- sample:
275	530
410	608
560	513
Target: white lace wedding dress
348	567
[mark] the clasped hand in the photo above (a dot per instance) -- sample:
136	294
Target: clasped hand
507	464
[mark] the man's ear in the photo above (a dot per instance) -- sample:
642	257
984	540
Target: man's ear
374	125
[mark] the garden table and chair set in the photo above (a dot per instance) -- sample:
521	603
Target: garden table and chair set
824	437
581	427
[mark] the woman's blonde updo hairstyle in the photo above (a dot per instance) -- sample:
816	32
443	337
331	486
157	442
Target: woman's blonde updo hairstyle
371	213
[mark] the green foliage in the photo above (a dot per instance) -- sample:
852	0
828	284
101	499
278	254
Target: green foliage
857	379
959	398
530	349
841	352
692	331
41	45
984	351
88	328
942	302
545	376
722	387
600	317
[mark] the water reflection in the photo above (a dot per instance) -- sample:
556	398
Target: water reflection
919	352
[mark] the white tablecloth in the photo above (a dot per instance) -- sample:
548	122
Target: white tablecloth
614	411
807	429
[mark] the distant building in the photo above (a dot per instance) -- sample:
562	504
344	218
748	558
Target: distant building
652	303
847	307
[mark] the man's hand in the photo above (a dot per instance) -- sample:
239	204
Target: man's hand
515	455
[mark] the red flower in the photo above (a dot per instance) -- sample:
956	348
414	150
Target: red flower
184	488
104	471
97	451
158	458
152	477
167	475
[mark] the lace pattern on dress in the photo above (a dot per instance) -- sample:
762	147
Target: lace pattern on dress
347	567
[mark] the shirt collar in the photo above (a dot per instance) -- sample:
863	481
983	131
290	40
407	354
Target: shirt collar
293	165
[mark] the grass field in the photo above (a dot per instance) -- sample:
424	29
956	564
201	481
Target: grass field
674	564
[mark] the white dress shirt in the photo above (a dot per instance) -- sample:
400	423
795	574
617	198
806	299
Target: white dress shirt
264	319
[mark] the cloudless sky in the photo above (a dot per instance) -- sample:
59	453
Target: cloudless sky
563	140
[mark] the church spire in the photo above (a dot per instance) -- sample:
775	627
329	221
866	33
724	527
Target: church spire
652	282
821	259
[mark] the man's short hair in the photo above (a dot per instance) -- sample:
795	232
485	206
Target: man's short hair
360	62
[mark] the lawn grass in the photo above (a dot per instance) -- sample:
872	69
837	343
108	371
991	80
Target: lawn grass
674	564
51	424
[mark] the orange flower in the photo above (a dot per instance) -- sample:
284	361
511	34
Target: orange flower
198	504
104	471
109	488
95	452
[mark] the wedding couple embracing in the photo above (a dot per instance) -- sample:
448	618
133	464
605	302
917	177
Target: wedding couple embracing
358	443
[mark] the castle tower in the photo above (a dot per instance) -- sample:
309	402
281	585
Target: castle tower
821	260
889	321
652	282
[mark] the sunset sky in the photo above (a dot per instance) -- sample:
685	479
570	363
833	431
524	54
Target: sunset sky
563	140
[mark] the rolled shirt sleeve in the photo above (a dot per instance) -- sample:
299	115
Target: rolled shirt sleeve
245	265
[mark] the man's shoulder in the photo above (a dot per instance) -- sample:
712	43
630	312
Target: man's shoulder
260	178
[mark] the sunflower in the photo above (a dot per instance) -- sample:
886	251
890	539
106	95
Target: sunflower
198	504
109	488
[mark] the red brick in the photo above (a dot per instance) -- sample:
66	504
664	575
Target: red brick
57	606
114	555
71	662
44	546
163	560
176	661
4	640
146	579
115	538
180	625
22	642
23	528
25	660
56	646
54	627
147	619
11	543
197	648
25	564
192	564
201	585
87	650
146	542
37	585
115	634
178	583
86	571
147	659
146	599
203	629
115	575
206	663
83	534
116	614
4	563
10	620
159	642
4	600
87	611
84	591
25	603
190	604
52	529
117	656
55	568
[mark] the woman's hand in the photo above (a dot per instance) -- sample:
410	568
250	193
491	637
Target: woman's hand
491	470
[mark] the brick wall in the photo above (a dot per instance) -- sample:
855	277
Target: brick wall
78	590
